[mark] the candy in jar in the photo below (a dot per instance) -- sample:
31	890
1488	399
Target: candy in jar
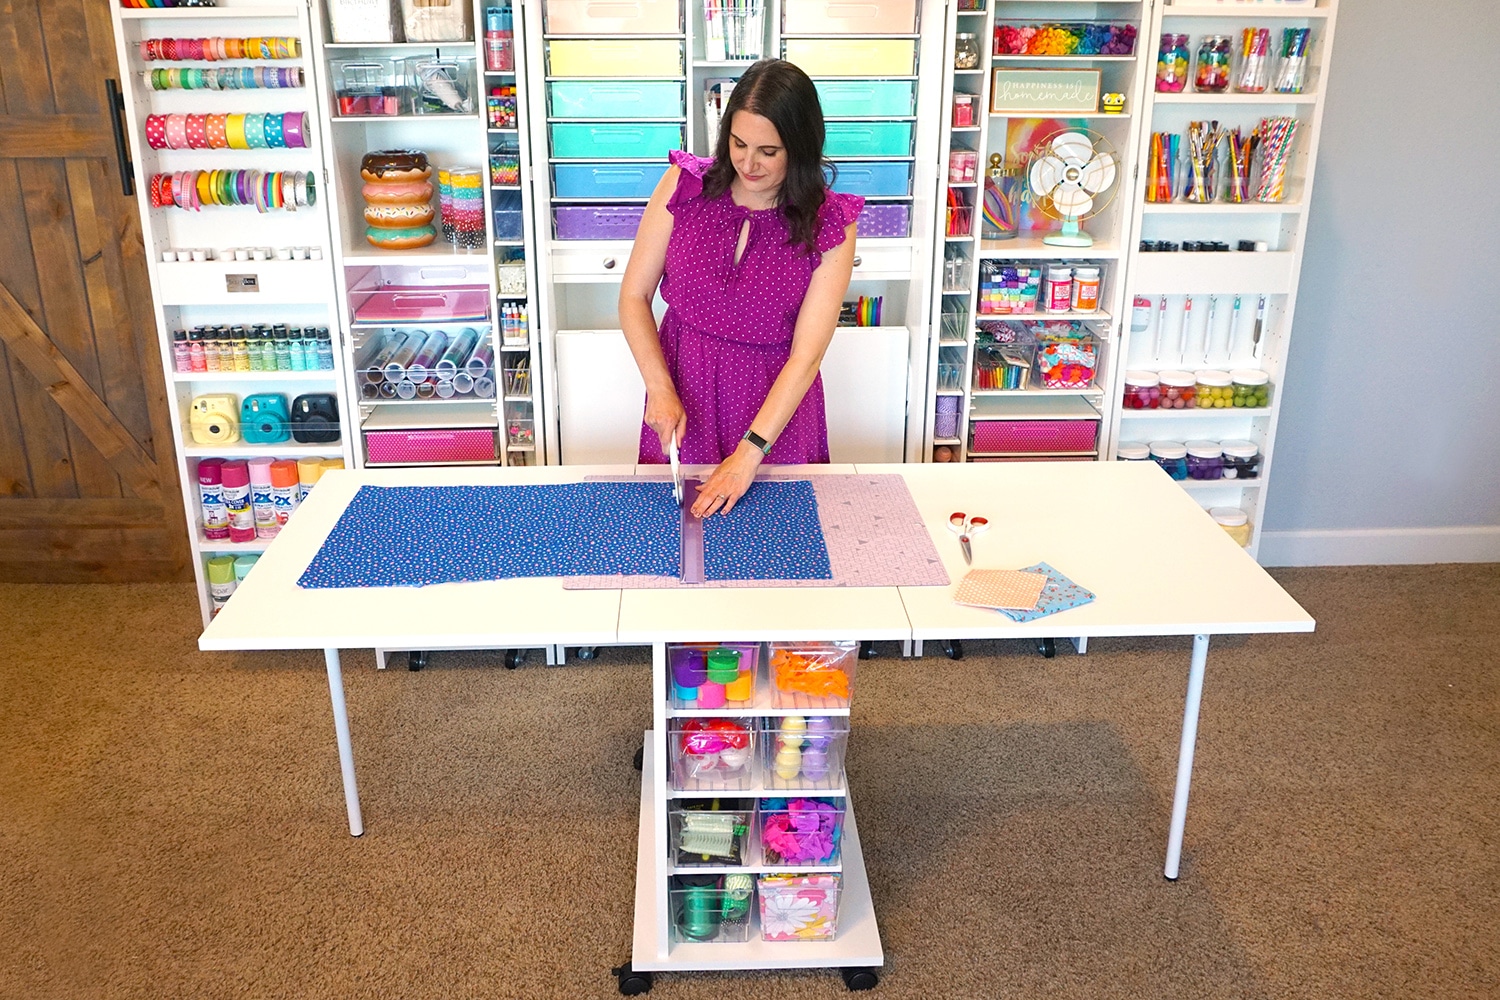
1178	390
1213	65
965	51
1172	64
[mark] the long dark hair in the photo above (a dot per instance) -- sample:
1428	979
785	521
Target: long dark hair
781	93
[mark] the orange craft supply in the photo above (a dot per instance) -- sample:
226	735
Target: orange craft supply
810	675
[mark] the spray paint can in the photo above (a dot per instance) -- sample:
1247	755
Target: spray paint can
261	506
286	490
211	499
236	476
221	582
309	471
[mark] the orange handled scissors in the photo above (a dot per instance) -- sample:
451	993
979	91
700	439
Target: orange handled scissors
966	528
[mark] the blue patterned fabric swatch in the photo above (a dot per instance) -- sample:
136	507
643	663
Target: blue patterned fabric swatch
1058	594
773	533
413	536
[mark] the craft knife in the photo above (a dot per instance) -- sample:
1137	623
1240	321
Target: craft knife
1260	320
677	491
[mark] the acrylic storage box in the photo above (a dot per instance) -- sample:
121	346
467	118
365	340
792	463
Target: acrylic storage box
868	139
435	20
520	425
1003	366
853	56
441	86
803	751
597	17
508	212
799	907
602	181
712	908
866	98
873	180
427	293
615	99
367	88
879	221
710	677
712	754
698	835
614	57
614	140
800	832
1019	38
812	675
828	17
596	222
1066	362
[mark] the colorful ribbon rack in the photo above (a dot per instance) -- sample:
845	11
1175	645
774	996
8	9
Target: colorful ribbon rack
161	4
224	78
265	189
286	130
213	49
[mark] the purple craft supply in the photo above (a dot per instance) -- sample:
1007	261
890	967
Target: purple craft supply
814	764
819	733
689	668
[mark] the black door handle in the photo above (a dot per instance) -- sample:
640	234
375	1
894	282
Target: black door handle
117	121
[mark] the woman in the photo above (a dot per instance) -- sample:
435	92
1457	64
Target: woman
753	255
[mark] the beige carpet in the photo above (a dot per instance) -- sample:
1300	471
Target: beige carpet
171	822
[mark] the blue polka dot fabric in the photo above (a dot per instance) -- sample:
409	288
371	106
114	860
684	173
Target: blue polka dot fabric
773	533
413	536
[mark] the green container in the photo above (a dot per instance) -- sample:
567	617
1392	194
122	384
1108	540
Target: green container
723	666
866	98
868	139
615	140
615	99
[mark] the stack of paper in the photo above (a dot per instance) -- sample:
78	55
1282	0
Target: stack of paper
1021	595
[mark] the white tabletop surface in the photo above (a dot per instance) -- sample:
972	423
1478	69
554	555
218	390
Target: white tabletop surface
1124	530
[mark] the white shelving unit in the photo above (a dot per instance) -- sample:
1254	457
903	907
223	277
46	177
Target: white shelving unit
1151	343
230	293
593	396
954	354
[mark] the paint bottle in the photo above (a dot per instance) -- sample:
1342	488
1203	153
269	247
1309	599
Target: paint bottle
196	359
236	478
182	359
297	350
221	582
286	489
309	471
211	499
324	350
261	505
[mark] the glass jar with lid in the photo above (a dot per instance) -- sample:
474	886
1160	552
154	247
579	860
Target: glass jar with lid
965	51
1142	390
1178	390
1214	389
1172	64
1241	459
1205	460
1252	387
1172	457
1132	451
1213	65
1235	522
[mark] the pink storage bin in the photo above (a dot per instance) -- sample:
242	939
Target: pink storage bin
429	293
612	17
596	222
866	17
469	444
1034	436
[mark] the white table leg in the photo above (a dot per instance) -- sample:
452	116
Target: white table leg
1185	754
346	745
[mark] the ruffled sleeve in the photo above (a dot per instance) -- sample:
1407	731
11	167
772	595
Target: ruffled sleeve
689	177
834	217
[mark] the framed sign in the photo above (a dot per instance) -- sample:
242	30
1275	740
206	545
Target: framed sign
1044	91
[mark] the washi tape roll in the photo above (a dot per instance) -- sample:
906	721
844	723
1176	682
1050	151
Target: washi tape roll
255	130
156	131
235	127
218	137
176	131
273	131
197	131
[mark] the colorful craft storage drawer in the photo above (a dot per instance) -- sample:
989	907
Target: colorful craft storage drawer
809	676
713	677
606	180
884	222
868	139
847	56
468	444
614	57
868	17
596	222
799	831
712	754
804	751
615	99
874	180
698	835
713	909
612	17
614	141
866	98
1037	437
799	907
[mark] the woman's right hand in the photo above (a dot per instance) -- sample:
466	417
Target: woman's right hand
665	416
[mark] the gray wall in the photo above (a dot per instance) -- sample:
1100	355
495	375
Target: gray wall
1389	443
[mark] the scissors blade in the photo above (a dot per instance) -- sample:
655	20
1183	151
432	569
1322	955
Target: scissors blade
963	541
676	471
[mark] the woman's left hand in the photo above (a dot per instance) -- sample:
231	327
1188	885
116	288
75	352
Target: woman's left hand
729	482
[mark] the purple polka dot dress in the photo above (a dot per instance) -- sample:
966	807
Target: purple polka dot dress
728	328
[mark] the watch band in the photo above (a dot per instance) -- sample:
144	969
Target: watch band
759	442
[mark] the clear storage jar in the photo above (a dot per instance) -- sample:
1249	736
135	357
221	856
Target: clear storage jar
1214	390
1132	451
1142	390
1178	390
965	51
1235	522
1205	460
1241	459
1172	64
1251	388
1172	457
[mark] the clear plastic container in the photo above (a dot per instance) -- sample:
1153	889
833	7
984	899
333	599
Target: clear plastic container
712	908
710	831
1132	451
804	751
1205	460
799	907
1172	457
712	754
1214	57
367	87
812	675
1235	522
1241	459
1172	64
441	86
435	20
965	51
1142	390
1178	390
801	831
1214	390
1251	387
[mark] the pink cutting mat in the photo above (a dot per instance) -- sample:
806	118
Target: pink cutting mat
874	534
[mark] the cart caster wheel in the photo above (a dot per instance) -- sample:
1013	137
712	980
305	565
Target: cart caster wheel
867	650
1047	647
954	649
588	653
860	979
514	658
416	659
632	983
639	760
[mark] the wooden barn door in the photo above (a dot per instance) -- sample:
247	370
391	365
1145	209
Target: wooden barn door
88	480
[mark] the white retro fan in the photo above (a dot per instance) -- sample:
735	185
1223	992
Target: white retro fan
1072	176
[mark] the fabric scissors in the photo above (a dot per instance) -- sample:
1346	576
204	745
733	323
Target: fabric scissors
676	470
966	528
